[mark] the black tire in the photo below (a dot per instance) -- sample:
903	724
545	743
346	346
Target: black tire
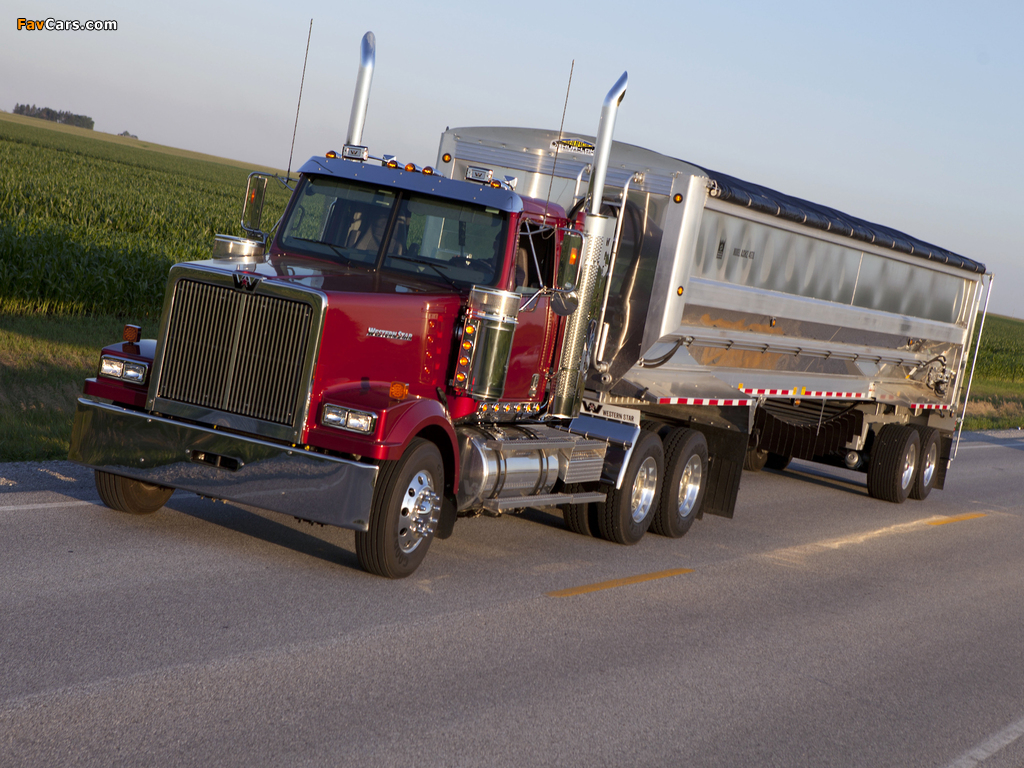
131	496
892	467
777	461
626	513
404	514
686	476
928	469
755	460
580	518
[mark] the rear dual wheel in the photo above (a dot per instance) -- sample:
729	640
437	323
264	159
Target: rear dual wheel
627	512
686	461
893	467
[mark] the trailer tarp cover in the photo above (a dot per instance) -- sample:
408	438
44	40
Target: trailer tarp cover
733	190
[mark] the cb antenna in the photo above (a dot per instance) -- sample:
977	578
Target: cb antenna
301	83
558	144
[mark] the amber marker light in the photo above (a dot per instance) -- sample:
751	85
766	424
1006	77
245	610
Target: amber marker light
446	158
460	377
677	198
398	390
410	167
463	360
132	334
679	291
392	163
467	345
428	171
332	154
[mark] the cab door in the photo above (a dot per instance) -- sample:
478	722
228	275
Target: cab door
536	331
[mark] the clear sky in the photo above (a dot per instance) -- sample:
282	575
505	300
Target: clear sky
908	114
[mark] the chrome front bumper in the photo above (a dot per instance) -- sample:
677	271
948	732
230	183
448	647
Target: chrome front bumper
220	465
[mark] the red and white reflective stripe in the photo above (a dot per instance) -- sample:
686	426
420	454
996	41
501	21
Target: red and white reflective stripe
800	392
929	407
699	401
838	395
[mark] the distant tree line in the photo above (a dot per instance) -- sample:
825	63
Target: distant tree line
66	118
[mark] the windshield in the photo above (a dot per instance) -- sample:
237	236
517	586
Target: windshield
459	244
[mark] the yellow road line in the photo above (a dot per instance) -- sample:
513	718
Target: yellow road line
618	582
958	518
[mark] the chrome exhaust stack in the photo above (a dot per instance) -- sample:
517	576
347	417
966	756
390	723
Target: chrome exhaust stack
598	232
361	98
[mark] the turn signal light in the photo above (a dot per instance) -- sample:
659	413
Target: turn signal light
398	390
132	334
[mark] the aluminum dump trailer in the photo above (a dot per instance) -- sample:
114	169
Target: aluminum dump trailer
821	327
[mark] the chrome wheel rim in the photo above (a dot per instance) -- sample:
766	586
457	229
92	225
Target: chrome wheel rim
931	459
909	465
689	486
417	517
644	485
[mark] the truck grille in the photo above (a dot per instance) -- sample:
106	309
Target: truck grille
236	352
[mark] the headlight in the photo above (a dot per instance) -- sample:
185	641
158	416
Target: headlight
343	418
126	370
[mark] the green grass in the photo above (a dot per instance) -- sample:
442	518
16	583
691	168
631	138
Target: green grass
44	360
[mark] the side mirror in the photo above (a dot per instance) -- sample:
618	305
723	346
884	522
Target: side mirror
564	303
252	209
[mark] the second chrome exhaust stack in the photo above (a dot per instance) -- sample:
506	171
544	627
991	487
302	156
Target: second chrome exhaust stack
598	232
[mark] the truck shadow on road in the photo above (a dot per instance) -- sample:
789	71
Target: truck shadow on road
246	521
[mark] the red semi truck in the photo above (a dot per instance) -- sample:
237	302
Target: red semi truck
411	344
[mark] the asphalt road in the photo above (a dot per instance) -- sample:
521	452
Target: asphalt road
819	627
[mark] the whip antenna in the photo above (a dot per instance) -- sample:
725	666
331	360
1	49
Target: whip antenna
301	83
558	143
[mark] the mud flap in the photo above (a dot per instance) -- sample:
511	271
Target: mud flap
726	451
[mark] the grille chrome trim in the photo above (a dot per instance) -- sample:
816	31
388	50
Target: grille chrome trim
236	359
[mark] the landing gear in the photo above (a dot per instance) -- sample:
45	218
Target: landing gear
892	469
627	512
131	496
686	462
405	511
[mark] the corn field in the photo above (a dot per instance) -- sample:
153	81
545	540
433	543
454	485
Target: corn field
91	227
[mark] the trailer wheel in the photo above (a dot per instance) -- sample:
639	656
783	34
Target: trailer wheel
927	473
892	468
627	512
404	514
580	518
131	496
755	460
686	473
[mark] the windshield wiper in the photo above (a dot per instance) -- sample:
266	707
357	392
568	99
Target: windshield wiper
434	267
338	251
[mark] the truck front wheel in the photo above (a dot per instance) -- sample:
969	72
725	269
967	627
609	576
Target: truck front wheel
627	512
892	468
131	496
404	514
686	472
